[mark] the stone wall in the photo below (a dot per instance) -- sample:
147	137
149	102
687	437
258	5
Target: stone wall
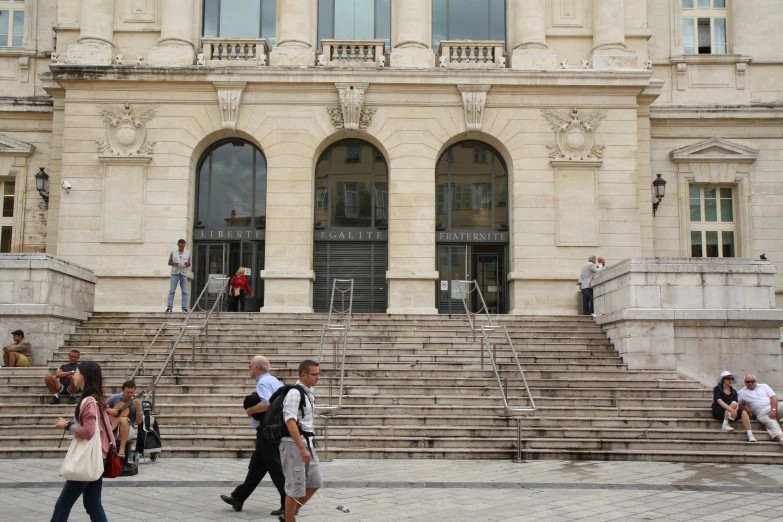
696	316
44	296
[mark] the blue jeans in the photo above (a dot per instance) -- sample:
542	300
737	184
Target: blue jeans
91	497
182	281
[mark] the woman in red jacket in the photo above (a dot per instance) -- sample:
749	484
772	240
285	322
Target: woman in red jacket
89	378
237	290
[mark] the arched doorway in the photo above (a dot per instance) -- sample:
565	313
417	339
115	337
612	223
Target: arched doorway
230	223
472	225
351	221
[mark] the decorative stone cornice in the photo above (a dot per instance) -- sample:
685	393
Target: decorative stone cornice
126	130
575	134
351	114
229	98
12	147
474	98
715	150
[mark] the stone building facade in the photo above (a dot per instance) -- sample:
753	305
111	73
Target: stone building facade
405	143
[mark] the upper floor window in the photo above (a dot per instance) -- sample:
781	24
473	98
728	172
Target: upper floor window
7	192
241	19
712	223
355	20
468	20
11	23
704	27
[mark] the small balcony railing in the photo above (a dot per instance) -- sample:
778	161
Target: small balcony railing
352	53
234	52
471	54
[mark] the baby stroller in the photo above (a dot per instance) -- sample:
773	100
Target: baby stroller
148	443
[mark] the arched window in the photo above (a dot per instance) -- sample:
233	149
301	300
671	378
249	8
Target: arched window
468	20
472	190
351	186
231	186
355	20
241	19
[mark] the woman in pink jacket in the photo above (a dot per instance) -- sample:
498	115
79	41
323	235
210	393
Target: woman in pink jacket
89	378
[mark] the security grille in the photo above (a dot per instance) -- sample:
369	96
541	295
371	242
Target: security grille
365	263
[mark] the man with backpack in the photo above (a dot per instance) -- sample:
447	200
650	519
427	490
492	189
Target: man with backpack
266	457
296	405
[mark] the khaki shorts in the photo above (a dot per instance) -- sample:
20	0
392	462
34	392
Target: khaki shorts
23	362
299	477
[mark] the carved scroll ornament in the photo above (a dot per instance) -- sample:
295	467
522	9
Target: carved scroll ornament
575	134
351	115
126	130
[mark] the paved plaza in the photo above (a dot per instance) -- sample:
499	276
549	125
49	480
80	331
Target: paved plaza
400	490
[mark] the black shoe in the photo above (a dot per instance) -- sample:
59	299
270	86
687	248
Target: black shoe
72	400
168	309
55	400
231	501
281	518
185	310
277	512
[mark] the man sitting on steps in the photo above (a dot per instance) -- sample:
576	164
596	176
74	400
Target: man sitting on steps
61	382
126	422
761	402
20	353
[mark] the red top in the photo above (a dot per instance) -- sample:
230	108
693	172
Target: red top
241	283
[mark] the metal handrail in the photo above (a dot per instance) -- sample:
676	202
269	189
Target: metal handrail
343	325
184	326
466	288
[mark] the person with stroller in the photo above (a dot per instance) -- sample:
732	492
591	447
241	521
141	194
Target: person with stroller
238	288
726	408
92	406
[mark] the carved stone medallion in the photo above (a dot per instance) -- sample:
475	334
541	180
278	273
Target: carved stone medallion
575	133
126	130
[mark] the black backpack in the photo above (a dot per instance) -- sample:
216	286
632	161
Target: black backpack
274	428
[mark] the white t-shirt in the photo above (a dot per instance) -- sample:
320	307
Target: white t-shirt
757	399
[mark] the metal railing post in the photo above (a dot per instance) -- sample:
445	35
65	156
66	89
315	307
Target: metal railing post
519	441
326	440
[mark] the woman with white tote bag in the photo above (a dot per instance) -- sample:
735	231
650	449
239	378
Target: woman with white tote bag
84	464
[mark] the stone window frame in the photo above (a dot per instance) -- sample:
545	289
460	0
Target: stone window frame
716	162
676	35
711	13
719	226
13	156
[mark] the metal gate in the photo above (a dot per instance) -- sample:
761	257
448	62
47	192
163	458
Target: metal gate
366	263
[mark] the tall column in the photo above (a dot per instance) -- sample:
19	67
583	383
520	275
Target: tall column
529	47
96	35
294	34
175	46
413	34
609	49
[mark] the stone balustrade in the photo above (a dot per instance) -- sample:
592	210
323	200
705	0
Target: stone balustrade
352	53
471	54
235	52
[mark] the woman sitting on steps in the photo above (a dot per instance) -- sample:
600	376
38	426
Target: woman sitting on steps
725	405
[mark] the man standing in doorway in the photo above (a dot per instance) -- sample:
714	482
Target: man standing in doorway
586	285
179	261
297	451
266	457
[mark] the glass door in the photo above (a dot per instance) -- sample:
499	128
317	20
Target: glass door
211	264
453	265
488	278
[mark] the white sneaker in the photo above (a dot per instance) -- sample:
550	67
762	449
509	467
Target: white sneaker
726	427
752	439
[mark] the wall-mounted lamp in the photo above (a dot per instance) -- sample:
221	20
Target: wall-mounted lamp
659	187
42	184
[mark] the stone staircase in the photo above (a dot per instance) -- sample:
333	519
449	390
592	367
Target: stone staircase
589	404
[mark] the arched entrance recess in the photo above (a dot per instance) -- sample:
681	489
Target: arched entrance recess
351	221
230	223
472	225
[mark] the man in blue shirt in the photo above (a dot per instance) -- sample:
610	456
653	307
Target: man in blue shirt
60	382
266	457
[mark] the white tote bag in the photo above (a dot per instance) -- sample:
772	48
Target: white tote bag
84	460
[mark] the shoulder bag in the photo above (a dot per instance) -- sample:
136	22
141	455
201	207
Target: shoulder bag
84	460
113	467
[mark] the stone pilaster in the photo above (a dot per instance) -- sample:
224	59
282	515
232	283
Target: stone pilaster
294	42
96	35
413	22
609	49
529	47
175	46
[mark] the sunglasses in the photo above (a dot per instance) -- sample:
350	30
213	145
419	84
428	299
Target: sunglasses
749	382
728	378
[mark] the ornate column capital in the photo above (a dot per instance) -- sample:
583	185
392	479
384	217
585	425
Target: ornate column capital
474	97
229	98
